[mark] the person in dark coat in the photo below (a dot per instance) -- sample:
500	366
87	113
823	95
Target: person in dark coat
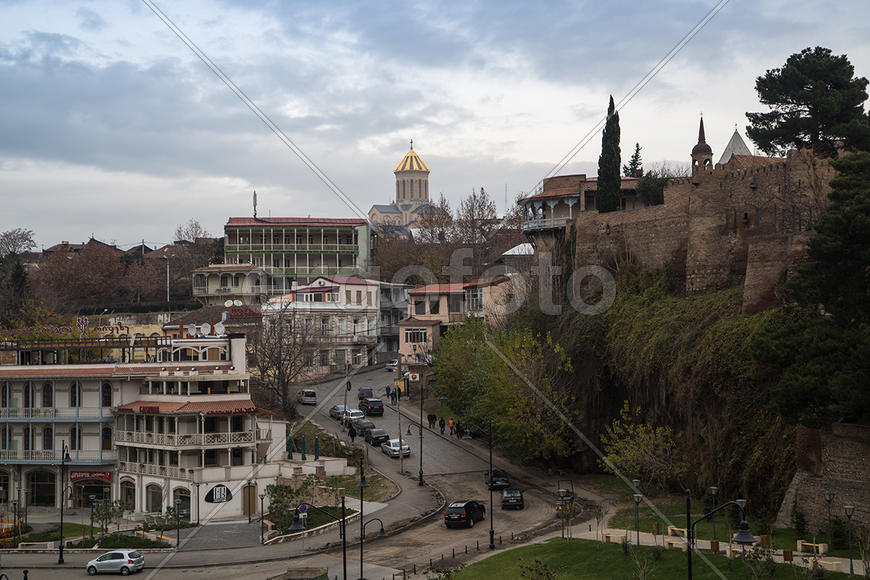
351	434
441	424
388	392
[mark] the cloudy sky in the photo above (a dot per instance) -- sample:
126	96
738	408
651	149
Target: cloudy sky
110	126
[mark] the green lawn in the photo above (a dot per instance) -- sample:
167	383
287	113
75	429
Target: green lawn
70	530
587	559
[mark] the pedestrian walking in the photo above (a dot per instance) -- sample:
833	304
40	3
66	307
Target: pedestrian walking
452	425
351	434
388	392
441	424
398	393
393	397
459	430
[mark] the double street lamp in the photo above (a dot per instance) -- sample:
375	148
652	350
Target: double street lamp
262	518
177	523
637	499
64	459
829	498
297	526
92	498
742	537
381	534
850	510
714	491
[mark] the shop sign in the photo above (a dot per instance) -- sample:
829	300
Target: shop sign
149	408
219	494
101	475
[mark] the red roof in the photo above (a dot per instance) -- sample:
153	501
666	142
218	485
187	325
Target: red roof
295	221
233	407
437	289
419	322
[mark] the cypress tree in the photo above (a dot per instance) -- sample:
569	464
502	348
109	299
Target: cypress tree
609	179
634	163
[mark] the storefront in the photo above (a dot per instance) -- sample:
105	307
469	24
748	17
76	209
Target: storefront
90	483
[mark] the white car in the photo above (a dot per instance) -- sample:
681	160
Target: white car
352	414
117	561
391	448
392	365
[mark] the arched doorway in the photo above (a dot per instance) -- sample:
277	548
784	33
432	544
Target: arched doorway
85	488
41	485
183	494
128	493
154	498
249	500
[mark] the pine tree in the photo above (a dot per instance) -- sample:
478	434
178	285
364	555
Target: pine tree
609	179
634	164
814	102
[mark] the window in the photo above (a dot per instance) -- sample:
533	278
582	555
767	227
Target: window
75	438
199	281
434	306
235	281
28	395
474	299
154	498
324	358
28	437
75	395
106	439
347	298
225	281
47	439
4	436
340	326
4	394
420	307
128	494
106	395
332	297
324	326
455	302
355	326
237	423
416	335
309	358
47	395
359	296
368	298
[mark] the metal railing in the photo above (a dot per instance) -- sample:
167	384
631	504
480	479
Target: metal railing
545	223
152	469
303	248
56	412
50	455
192	439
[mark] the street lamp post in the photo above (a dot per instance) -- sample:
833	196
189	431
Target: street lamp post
714	491
15	519
92	498
829	497
197	484
420	480
381	534
743	536
637	499
177	523
491	511
248	500
297	526
850	510
64	458
262	519
363	484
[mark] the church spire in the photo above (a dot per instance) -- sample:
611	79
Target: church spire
702	154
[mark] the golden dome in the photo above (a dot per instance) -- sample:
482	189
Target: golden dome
411	162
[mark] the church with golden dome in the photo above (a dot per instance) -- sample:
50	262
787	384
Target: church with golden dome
412	194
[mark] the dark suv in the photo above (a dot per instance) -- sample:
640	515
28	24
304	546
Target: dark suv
512	499
499	479
372	406
463	514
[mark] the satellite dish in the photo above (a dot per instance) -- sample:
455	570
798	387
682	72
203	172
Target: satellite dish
191	329
205	328
237	302
228	303
219	328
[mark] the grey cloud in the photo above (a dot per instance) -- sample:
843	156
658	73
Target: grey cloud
90	20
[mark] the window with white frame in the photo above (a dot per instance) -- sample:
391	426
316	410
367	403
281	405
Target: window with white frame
474	299
416	335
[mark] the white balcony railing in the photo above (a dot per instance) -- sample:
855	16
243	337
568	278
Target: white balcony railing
192	439
56	412
544	223
151	469
48	455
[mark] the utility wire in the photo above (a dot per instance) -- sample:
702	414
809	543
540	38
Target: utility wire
248	102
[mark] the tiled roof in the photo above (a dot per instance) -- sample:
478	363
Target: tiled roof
747	161
437	289
294	221
386	208
419	322
411	162
232	407
226	268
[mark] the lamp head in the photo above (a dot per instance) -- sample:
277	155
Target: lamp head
638	498
382	533
262	496
849	509
829	495
741	503
66	457
743	536
714	490
635	482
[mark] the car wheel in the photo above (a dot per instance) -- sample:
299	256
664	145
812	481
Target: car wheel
92	571
125	571
470	522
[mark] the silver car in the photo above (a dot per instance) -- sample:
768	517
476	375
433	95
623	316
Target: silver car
118	562
391	448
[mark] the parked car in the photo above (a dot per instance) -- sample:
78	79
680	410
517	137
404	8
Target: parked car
365	393
376	437
374	407
307	397
117	561
362	426
336	412
499	479
463	514
391	448
392	365
350	415
512	499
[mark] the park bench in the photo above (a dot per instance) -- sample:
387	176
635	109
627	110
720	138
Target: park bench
36	545
676	544
814	548
672	531
834	566
608	538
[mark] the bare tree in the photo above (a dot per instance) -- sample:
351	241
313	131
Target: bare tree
16	241
190	231
436	223
476	219
283	349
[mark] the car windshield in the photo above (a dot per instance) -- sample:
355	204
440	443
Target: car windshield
511	493
456	509
135	555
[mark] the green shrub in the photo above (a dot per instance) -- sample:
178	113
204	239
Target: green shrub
120	541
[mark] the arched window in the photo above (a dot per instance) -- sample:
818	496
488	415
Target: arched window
154	498
75	438
47	439
41	486
5	389
47	395
106	438
28	437
128	494
28	395
106	395
183	494
4	436
75	394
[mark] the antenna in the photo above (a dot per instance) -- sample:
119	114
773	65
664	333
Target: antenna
255	204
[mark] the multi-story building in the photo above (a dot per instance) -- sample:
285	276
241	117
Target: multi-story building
266	257
147	433
336	320
431	310
393	305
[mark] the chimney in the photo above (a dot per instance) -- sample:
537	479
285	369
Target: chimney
638	172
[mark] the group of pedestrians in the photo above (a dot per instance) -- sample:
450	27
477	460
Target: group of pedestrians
393	394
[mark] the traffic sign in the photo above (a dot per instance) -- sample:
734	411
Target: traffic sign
302	509
414	377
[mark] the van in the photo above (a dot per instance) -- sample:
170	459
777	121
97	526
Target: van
307	397
365	393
